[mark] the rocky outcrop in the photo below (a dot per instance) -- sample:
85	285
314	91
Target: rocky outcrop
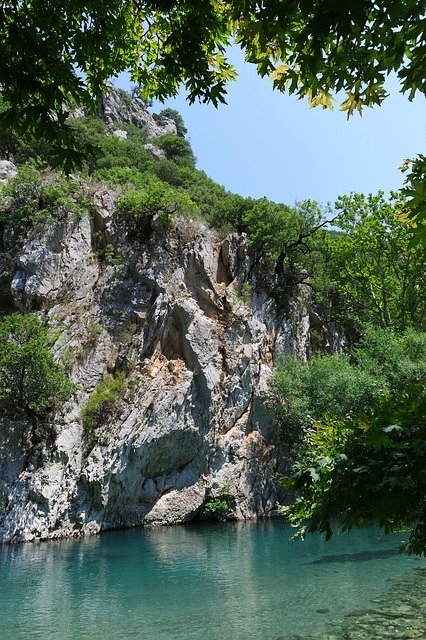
118	106
7	170
189	423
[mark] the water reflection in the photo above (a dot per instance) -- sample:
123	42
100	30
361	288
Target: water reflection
241	581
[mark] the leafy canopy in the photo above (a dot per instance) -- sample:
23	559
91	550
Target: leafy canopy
57	55
372	273
368	467
54	53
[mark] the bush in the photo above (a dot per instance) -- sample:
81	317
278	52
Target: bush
138	207
33	197
120	176
123	153
219	506
170	172
31	382
397	357
304	392
330	386
134	133
101	405
176	148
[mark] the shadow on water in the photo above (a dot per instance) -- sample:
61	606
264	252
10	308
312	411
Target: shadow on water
360	556
397	613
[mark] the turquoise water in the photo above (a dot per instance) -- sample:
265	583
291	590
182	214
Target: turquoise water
198	582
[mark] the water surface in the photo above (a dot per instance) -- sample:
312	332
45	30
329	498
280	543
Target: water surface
197	582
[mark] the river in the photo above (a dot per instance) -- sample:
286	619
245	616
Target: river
241	581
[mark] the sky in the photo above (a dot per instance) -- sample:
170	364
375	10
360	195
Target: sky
265	143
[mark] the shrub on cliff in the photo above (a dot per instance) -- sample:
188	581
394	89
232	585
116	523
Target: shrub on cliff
138	207
34	196
101	404
176	148
32	384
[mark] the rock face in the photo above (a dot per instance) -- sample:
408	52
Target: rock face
7	170
189	424
167	314
119	107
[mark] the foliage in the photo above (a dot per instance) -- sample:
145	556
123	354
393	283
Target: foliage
174	115
367	467
220	505
125	97
303	392
176	148
134	133
31	382
396	357
172	173
325	385
315	49
216	506
33	196
101	404
413	204
138	207
57	55
120	176
288	239
114	152
373	274
110	256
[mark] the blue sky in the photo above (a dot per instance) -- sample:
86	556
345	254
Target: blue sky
264	143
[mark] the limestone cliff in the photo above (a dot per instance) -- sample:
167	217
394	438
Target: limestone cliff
189	424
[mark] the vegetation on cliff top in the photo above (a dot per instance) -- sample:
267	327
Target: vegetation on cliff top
56	56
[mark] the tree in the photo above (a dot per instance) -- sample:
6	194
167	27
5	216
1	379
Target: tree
174	115
331	387
286	238
31	382
176	148
366	468
53	52
375	275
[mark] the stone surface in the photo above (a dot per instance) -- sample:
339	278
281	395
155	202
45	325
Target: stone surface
7	170
190	422
116	108
156	152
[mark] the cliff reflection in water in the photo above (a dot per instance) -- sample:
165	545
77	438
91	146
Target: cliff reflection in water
195	582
